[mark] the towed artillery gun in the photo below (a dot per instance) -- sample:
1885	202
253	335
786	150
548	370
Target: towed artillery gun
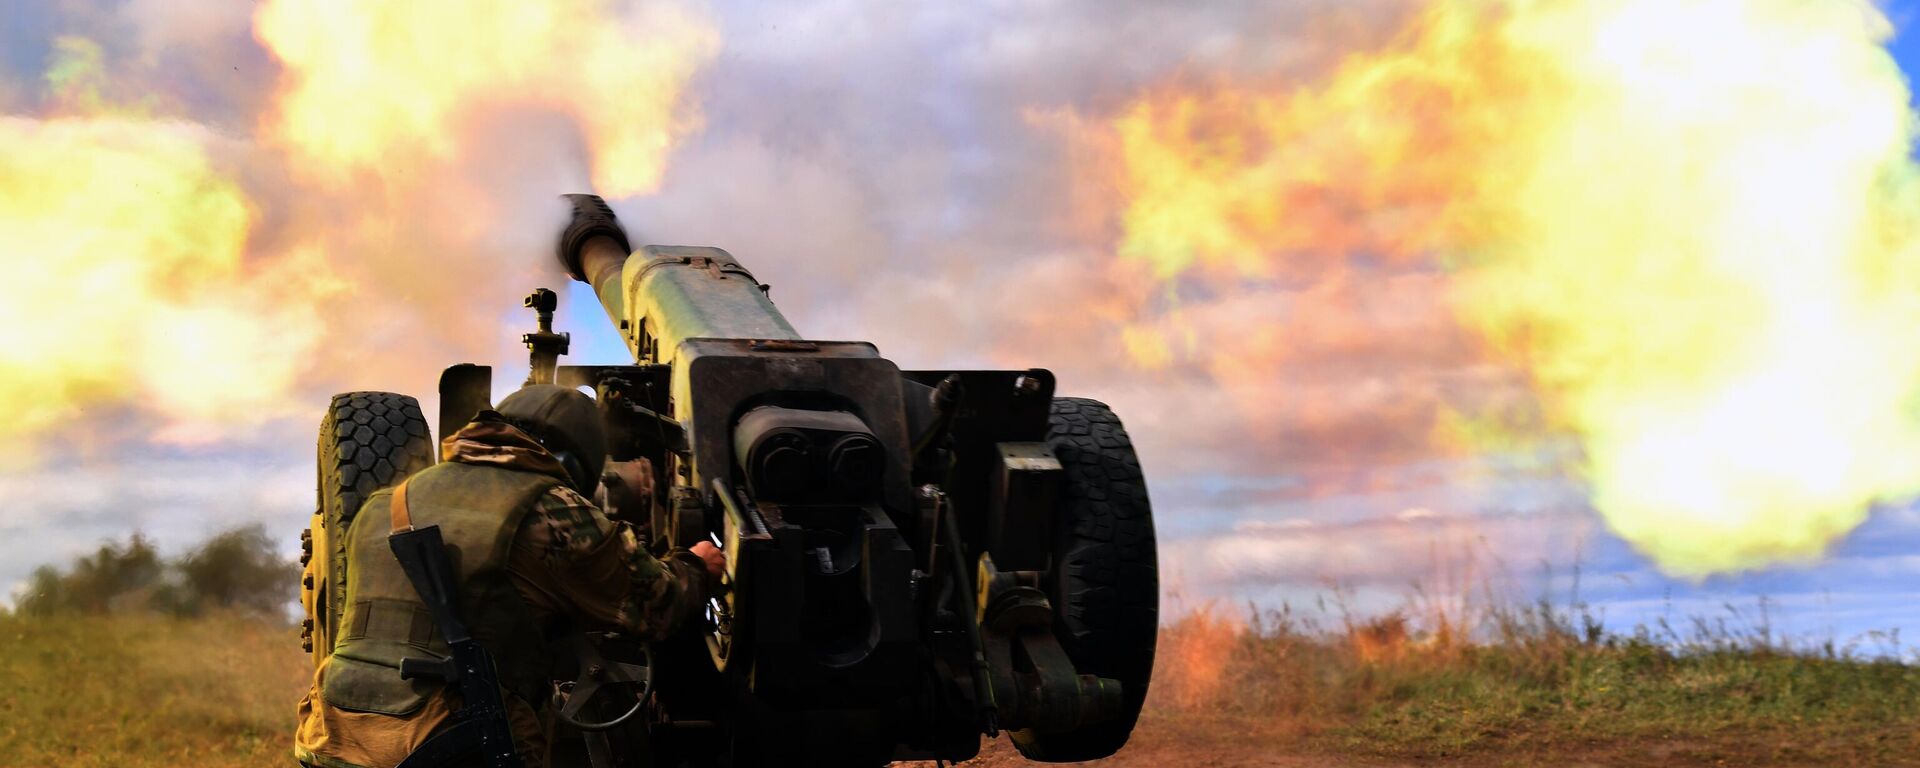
914	558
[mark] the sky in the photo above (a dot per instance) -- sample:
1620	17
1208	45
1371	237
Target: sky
1905	45
932	178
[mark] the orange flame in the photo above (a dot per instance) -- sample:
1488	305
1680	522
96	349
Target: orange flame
1191	662
156	271
1693	223
369	82
125	251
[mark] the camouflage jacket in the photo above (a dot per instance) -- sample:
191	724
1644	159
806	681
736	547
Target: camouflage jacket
567	561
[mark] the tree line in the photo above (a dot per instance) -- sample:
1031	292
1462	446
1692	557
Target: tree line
235	570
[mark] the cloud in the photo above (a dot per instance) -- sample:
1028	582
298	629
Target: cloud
301	227
913	200
892	171
177	498
883	170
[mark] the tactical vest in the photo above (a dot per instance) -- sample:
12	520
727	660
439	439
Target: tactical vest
478	509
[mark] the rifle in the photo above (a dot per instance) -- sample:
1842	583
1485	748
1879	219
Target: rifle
480	724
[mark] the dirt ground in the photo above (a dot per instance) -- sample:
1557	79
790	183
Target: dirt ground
217	692
1164	739
1161	740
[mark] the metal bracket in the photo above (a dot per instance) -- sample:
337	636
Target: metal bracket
1035	684
1020	505
543	345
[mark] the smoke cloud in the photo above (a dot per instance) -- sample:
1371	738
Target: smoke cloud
207	252
1690	225
1267	233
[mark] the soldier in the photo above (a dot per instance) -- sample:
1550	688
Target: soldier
533	555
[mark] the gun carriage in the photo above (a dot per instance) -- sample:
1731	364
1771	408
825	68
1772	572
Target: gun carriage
914	558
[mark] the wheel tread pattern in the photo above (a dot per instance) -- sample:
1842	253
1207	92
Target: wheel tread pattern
368	441
1105	579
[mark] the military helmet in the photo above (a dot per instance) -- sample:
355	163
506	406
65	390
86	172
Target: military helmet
567	423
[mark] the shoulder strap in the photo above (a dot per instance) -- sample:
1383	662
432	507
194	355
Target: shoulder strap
402	519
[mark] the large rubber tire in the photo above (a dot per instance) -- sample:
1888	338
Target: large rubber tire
368	441
1105	581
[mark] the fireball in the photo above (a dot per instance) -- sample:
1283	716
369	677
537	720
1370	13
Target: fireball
1693	224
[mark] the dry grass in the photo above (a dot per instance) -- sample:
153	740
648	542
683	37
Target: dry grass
137	690
1533	688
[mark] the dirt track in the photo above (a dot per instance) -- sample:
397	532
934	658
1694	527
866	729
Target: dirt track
1198	742
1001	754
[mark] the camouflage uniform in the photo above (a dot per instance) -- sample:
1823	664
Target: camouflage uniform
567	562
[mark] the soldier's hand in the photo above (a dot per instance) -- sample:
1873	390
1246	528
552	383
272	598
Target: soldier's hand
712	557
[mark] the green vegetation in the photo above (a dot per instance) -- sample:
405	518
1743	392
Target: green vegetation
237	570
1539	687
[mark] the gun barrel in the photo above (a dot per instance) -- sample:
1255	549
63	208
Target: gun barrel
601	260
661	295
592	249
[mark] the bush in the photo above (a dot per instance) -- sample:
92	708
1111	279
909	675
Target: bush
235	570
